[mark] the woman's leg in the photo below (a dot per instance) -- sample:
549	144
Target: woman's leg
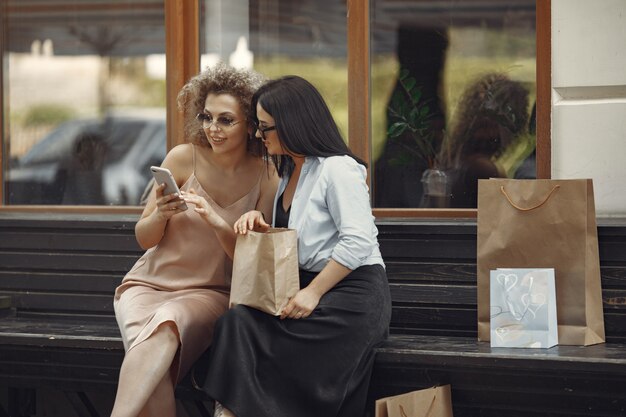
143	369
162	401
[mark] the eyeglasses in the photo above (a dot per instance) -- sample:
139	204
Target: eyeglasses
221	123
262	130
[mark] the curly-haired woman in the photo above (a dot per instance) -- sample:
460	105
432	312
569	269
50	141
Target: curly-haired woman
492	114
168	302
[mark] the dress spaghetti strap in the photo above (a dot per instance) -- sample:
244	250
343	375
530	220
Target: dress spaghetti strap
193	158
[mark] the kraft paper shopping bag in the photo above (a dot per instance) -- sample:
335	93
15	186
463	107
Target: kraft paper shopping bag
523	308
543	224
430	402
265	270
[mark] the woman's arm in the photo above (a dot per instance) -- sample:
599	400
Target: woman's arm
159	209
347	199
348	202
304	302
223	231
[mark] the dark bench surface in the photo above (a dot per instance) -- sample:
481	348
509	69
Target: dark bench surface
398	349
66	333
443	350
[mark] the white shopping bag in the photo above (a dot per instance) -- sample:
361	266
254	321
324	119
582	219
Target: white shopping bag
523	308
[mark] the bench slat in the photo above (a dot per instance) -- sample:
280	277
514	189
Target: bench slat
67	333
431	272
452	320
54	281
397	250
459	295
69	262
55	241
55	302
454	351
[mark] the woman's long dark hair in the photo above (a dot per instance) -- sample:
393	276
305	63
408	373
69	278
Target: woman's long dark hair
303	121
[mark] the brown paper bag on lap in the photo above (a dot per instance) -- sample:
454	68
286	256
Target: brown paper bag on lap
543	224
265	270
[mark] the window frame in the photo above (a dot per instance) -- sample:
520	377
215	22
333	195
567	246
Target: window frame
183	61
359	111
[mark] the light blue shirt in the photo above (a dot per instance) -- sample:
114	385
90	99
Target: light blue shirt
332	214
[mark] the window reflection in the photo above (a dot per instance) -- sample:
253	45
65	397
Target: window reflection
306	38
86	100
429	143
491	117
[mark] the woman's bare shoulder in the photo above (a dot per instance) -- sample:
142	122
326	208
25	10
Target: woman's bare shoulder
179	160
269	175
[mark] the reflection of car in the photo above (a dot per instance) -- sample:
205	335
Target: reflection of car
90	161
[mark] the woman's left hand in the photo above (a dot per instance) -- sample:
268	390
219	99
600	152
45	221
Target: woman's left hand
301	305
202	207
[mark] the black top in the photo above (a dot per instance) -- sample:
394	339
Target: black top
282	216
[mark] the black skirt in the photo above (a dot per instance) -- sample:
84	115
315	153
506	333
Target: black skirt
320	366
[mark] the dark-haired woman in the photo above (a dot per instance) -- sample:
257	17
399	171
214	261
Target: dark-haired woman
316	358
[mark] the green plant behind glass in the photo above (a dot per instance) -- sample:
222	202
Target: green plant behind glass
47	114
411	122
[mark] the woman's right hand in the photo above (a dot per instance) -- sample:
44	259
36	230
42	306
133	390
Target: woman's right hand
167	205
252	220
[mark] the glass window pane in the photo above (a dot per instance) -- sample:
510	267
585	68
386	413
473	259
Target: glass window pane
85	96
453	93
306	38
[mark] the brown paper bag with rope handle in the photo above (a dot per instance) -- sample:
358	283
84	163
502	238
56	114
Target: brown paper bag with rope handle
430	402
543	224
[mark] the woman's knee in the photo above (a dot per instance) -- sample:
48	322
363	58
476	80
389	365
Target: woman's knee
168	332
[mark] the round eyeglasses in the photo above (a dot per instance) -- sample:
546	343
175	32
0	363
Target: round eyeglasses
221	123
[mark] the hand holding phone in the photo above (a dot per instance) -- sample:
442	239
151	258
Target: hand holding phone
164	176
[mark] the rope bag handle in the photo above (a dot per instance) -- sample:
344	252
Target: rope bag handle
503	191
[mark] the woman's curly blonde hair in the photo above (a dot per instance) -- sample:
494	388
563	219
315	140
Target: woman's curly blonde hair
219	79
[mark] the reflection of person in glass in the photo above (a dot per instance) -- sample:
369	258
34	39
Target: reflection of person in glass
398	171
316	358
168	303
491	114
527	170
83	175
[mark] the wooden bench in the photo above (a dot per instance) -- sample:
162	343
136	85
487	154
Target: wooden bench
60	348
432	271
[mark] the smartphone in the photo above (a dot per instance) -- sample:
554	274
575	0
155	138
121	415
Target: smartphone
164	176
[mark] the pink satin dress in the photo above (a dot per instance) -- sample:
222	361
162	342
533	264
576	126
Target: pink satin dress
184	280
